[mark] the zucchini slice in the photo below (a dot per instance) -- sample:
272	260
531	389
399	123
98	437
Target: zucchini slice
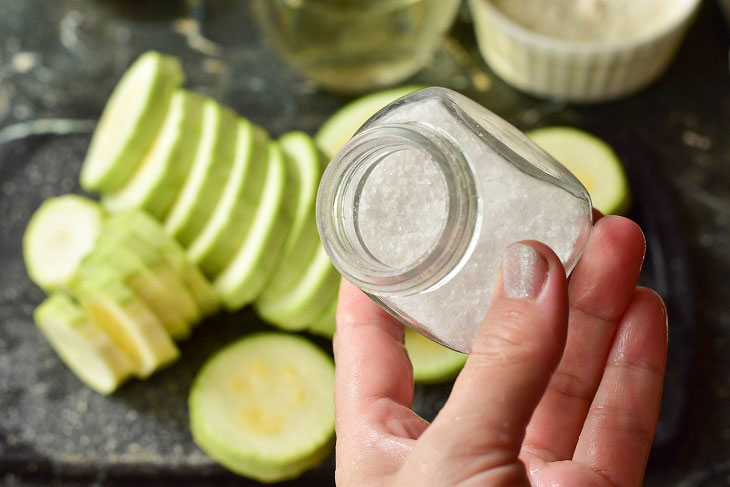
151	281
305	167
232	217
307	298
592	161
247	273
207	176
82	345
132	326
60	234
160	175
263	406
130	121
152	238
341	126
432	362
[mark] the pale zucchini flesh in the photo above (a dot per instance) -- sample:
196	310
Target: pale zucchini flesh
130	121
168	299
592	161
152	282
263	406
201	289
341	126
82	345
160	175
208	174
153	238
232	217
129	322
60	234
177	294
245	276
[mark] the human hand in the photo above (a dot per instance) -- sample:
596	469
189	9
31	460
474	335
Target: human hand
562	388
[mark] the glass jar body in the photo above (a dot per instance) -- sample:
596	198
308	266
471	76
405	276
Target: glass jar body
352	46
499	188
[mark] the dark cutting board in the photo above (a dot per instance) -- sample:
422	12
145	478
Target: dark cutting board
52	426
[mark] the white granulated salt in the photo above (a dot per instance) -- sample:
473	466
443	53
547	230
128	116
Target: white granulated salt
402	208
515	206
609	21
518	207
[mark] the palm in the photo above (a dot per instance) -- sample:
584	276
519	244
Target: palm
594	423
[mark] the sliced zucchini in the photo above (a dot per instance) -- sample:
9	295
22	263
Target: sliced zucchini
160	266
592	161
152	281
160	175
82	345
60	234
324	325
201	288
341	126
208	175
431	361
263	406
304	169
131	325
263	471
231	219
130	121
306	301
152	237
304	166
245	276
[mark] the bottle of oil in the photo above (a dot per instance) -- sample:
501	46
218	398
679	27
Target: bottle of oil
352	46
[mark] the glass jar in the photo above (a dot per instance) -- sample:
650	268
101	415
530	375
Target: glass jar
355	45
417	208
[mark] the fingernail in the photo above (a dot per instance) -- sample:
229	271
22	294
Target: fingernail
524	271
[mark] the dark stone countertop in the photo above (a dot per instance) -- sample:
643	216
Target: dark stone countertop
60	60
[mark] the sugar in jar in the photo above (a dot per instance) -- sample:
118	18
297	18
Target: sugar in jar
418	207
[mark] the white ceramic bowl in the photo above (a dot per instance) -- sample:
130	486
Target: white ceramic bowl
579	71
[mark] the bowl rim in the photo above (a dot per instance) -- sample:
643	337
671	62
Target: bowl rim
545	42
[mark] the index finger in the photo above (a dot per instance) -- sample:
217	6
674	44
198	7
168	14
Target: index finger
373	388
371	358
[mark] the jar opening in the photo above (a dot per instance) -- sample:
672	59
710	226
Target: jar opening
401	207
398	209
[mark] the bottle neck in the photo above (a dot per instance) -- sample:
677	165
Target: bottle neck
338	207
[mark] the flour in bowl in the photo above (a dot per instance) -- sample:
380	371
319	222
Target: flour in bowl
610	21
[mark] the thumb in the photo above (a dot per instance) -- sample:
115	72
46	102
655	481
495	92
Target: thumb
482	425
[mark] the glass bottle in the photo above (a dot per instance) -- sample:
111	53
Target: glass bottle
417	208
352	46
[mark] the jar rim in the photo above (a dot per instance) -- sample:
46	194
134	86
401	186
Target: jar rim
339	190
